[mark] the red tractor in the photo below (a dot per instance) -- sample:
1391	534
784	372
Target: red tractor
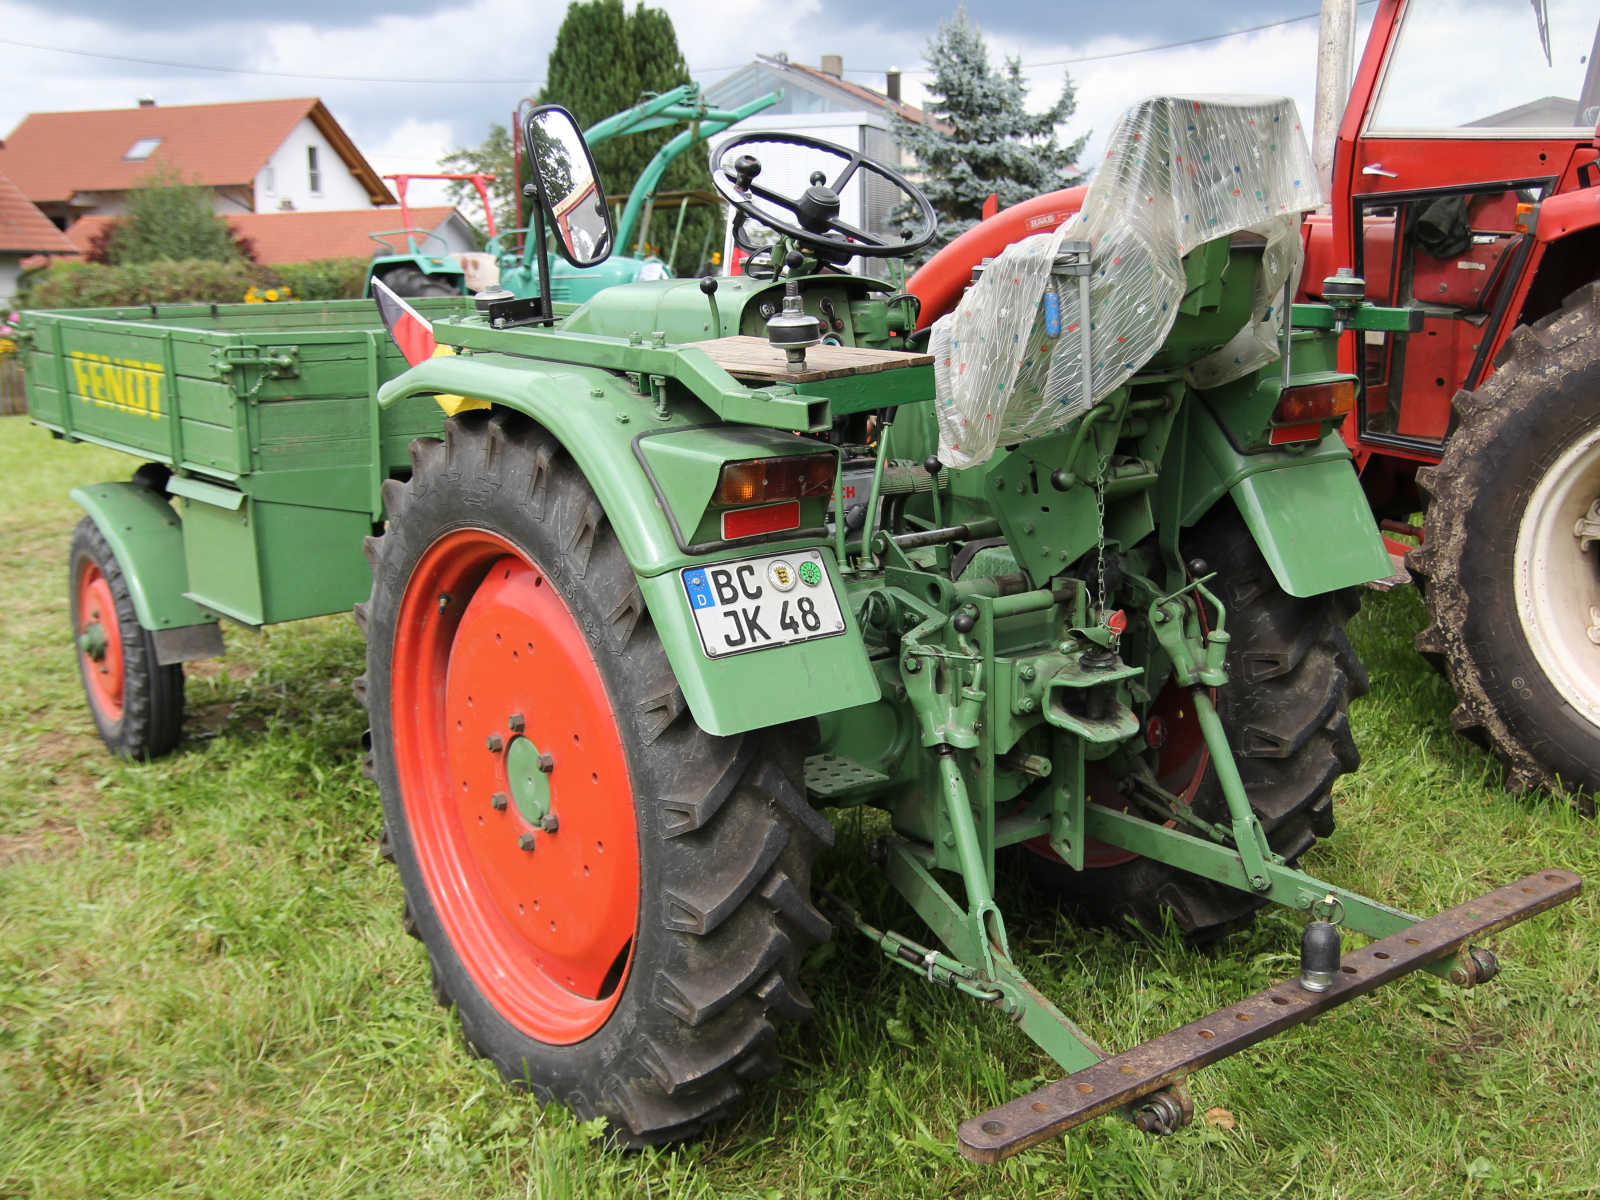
1463	187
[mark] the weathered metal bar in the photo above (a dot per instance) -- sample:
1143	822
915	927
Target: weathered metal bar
1125	1078
950	533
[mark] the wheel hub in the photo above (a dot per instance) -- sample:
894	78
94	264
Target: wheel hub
99	642
1558	578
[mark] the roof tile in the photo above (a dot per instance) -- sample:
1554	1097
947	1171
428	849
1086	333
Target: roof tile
24	229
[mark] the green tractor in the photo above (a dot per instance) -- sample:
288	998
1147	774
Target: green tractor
701	558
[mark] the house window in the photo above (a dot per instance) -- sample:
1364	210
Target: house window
314	172
142	149
269	180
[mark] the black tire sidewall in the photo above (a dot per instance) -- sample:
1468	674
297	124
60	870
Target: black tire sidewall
1524	446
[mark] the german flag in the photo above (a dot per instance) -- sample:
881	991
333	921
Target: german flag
409	328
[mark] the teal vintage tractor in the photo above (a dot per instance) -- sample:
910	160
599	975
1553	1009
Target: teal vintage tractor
677	574
571	284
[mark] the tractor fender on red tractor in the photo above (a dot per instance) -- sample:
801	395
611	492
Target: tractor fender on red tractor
938	283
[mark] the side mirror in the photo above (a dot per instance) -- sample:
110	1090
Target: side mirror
568	186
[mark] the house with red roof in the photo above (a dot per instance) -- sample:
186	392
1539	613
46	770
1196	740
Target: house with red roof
255	156
24	231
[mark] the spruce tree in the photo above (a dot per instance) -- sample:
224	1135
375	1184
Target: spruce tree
990	144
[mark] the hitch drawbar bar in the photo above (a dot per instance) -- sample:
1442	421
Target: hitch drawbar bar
1124	1079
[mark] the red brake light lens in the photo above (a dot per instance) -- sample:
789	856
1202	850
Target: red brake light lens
1315	402
781	477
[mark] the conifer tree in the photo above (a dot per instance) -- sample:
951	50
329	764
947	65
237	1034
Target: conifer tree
989	143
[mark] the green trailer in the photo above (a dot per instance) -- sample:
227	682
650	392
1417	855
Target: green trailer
1067	585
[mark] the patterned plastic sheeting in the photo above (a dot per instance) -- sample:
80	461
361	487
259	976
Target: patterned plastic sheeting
1179	171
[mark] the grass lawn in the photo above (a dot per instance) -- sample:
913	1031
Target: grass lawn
205	989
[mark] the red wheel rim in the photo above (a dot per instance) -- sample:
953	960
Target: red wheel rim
99	640
546	933
1182	759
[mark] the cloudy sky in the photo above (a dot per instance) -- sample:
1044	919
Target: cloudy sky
368	59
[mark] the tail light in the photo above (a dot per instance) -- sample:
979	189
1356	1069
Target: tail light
768	480
1315	402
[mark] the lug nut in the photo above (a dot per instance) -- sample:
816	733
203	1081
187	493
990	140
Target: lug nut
547	763
550	822
499	801
525	842
516	723
495	744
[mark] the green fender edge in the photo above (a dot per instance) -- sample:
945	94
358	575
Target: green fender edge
594	415
146	535
1314	527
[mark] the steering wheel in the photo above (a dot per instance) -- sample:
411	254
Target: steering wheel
816	223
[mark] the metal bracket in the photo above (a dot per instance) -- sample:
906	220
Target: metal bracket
1123	1079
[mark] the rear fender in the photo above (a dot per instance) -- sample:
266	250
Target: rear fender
146	535
596	417
1305	510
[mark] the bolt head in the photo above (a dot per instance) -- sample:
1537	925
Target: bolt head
547	763
1458	977
495	744
499	801
550	822
516	723
525	842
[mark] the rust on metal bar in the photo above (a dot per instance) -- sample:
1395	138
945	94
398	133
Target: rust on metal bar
1125	1078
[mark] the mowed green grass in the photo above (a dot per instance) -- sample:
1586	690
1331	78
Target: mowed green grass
205	989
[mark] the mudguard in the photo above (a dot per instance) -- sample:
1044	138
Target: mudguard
598	420
146	535
1305	508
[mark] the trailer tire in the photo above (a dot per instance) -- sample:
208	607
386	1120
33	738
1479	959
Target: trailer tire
714	914
1291	676
1511	588
137	703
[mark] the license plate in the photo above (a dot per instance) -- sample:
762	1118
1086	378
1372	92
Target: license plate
758	603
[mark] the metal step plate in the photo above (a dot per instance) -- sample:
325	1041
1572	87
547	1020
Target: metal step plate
832	774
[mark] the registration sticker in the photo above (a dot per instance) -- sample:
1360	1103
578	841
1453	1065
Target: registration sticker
758	603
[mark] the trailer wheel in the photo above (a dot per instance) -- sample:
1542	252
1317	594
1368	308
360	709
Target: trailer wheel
615	901
137	704
1513	578
408	281
1291	676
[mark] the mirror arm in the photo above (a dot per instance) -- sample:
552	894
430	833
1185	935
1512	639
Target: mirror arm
542	253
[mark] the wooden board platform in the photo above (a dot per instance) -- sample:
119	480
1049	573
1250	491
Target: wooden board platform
756	359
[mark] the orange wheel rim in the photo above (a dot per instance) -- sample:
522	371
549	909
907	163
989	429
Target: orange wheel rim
99	639
501	719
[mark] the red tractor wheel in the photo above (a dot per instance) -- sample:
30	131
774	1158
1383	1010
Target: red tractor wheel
615	902
137	704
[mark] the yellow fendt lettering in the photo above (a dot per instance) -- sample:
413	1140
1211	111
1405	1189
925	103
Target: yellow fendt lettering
125	384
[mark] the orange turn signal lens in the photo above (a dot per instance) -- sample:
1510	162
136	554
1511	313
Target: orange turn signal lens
766	480
1315	402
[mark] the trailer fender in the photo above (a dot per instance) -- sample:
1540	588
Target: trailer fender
591	412
146	535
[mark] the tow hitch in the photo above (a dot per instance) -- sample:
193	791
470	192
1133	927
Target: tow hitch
1142	1081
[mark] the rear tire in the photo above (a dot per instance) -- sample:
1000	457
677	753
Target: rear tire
1511	592
719	911
1291	675
137	703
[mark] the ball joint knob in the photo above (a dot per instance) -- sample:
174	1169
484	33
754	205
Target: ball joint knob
1319	956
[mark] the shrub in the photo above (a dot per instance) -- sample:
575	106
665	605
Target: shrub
92	285
168	220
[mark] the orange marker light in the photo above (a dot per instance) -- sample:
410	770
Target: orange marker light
782	477
1315	402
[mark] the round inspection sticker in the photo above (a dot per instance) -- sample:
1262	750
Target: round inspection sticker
810	573
781	575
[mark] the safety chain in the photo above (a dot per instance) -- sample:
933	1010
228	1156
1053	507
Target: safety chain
1100	553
